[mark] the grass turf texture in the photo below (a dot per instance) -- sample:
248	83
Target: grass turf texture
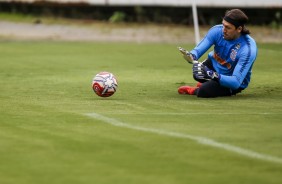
45	136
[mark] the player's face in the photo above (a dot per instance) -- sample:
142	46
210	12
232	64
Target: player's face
230	32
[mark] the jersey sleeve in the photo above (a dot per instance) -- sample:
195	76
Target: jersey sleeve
206	42
243	67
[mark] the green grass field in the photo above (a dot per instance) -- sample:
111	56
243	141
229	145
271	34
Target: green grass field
54	129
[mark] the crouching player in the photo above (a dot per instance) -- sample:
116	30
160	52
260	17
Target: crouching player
228	68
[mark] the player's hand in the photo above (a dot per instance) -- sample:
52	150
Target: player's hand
202	72
189	57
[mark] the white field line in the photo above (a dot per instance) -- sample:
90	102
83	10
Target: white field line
197	113
199	139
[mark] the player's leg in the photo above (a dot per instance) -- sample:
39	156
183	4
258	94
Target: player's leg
211	89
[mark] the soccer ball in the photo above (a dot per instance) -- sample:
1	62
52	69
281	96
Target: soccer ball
104	84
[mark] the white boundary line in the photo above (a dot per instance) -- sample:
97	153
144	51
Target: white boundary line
199	139
196	113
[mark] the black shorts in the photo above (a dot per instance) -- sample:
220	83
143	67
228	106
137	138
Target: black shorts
211	88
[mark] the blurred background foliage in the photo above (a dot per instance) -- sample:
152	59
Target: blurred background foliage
147	14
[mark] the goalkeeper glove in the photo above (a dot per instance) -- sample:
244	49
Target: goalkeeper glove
202	72
189	57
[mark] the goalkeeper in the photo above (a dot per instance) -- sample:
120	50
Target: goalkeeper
228	68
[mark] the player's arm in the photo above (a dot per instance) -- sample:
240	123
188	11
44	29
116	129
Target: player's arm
243	66
246	60
209	40
193	56
235	80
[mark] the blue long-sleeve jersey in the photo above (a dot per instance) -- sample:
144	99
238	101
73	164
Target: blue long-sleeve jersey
232	59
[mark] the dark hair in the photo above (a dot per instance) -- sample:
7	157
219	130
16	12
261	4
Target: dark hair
238	18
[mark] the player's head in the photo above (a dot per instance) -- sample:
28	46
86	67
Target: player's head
234	24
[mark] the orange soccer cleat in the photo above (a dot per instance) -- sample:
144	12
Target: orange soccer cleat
183	90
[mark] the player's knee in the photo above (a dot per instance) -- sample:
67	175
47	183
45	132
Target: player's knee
205	93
